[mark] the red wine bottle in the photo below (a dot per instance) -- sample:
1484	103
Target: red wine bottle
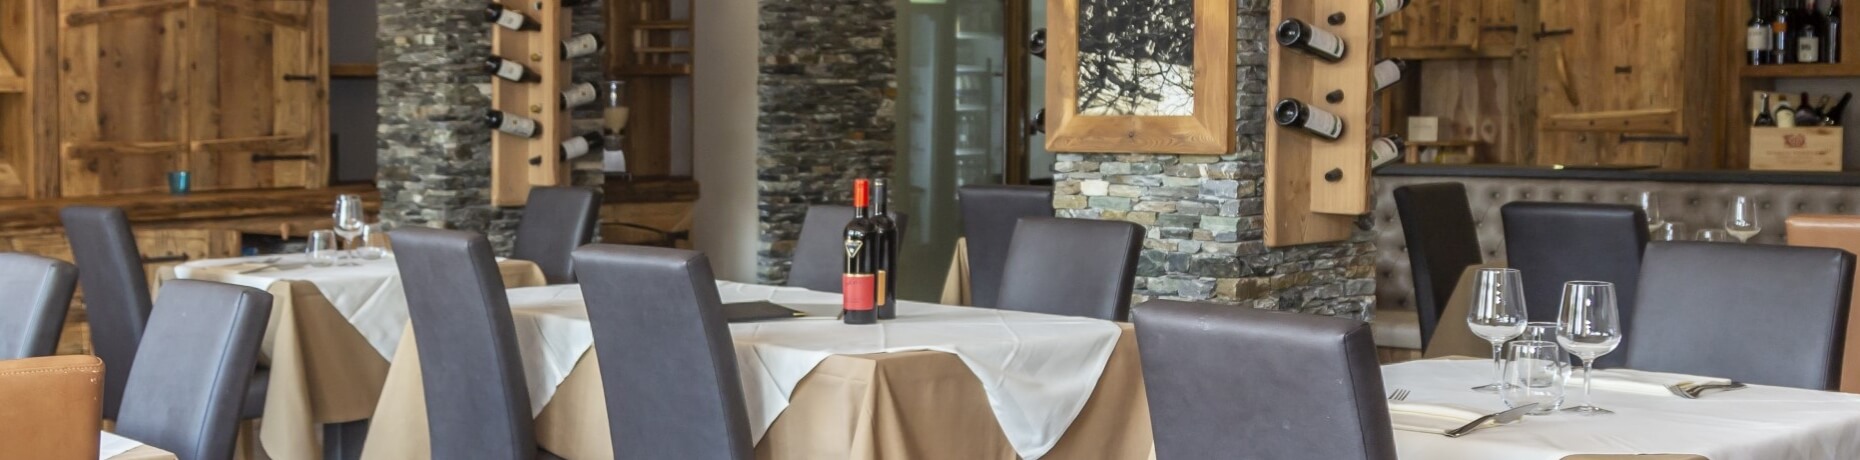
858	279
580	45
1292	113
577	95
1296	34
575	147
509	18
885	235
510	70
511	124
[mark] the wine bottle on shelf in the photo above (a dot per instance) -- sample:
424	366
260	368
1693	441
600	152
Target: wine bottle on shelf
1831	34
1779	36
510	70
1831	116
509	18
1805	114
580	45
1292	113
858	280
1388	72
1808	45
885	235
1785	113
514	125
1298	35
1757	34
574	147
1385	151
1764	118
1384	8
577	95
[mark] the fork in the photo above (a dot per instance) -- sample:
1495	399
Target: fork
1399	395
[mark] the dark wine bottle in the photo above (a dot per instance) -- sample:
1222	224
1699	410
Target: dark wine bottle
1388	72
885	236
1385	151
577	95
575	147
1805	113
580	45
1296	34
1384	8
1757	34
1832	115
1831	34
509	18
1292	113
1764	118
1780	45
511	124
1036	43
510	70
858	279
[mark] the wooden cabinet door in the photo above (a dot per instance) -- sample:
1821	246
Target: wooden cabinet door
122	102
257	102
1618	82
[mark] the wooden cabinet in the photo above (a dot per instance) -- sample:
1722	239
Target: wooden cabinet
233	91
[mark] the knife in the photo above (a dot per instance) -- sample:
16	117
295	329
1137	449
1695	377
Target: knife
1501	418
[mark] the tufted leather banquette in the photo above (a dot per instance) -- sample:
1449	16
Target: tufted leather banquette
1697	199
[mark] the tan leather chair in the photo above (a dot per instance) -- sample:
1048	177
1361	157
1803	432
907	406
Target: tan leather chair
1453	337
52	407
1839	232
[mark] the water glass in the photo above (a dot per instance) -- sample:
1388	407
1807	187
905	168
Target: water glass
374	242
1670	231
1589	326
1497	315
322	248
1541	331
1742	220
1534	374
180	182
1649	203
1713	235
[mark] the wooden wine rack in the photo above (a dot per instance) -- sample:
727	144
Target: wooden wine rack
1315	188
512	175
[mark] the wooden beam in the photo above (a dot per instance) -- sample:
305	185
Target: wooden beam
1616	121
41	213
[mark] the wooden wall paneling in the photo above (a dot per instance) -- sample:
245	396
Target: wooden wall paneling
1520	145
512	176
28	104
1452	29
1471	96
122	93
1622	61
1302	205
257	75
649	129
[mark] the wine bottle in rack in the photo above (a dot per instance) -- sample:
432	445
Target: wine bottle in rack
514	125
885	256
1831	35
1388	72
1764	118
1779	36
1785	113
580	45
1808	45
858	279
1831	116
577	95
1757	34
575	147
1292	113
1387	7
509	18
510	70
1298	35
1384	151
1805	113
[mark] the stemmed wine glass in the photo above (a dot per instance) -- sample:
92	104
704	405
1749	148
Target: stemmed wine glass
349	219
1742	221
1589	326
1650	204
1497	315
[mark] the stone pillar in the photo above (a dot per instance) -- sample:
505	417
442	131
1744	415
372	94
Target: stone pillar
1205	214
825	90
434	153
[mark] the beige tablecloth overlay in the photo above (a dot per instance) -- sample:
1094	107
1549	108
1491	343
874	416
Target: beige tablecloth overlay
145	452
921	404
1452	337
956	286
322	369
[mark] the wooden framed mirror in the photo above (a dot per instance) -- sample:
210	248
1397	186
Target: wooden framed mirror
1146	77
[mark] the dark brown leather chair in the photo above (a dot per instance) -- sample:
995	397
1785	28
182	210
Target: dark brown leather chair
50	407
1438	225
116	292
819	257
39	292
667	363
555	222
989	214
1555	243
1839	232
1762	314
1312	382
1072	267
477	404
193	367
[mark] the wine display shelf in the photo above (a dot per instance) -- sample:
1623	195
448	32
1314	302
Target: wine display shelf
1316	188
512	175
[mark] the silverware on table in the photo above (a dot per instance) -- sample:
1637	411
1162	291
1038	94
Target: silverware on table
1691	390
1501	418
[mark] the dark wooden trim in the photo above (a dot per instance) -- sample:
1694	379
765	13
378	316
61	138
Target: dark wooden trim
40	213
1014	33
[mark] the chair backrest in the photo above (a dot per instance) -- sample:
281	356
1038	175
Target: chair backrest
50	406
989	214
1303	386
818	255
1763	314
116	291
39	290
477	404
1437	223
197	359
667	361
1555	243
1839	232
1072	267
555	222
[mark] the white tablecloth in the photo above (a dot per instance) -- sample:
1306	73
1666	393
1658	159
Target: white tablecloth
1756	423
111	445
369	295
1038	370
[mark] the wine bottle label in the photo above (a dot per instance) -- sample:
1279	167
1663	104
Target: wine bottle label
1386	73
858	291
574	147
1325	43
1785	118
1323	123
579	95
1756	38
510	20
878	298
518	125
1388	7
581	45
1383	151
510	70
1808	49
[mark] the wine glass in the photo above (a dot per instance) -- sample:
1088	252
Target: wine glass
349	218
1534	374
374	242
1742	222
1712	235
1650	204
322	248
1497	315
1589	326
1670	231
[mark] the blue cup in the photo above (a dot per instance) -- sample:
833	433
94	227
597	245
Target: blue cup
179	182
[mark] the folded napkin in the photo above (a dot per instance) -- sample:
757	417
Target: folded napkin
1648	383
1433	418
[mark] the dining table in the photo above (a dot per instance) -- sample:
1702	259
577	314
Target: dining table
330	338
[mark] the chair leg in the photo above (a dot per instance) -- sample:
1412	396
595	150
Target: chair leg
343	441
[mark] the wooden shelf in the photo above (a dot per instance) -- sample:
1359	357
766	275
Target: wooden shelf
656	70
355	70
1836	70
662	25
